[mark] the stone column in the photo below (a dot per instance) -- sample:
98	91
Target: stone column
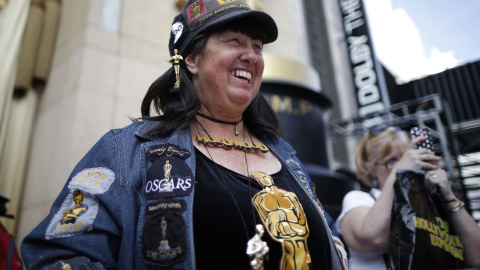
19	119
13	18
34	62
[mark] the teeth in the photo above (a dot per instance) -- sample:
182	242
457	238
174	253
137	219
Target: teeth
243	74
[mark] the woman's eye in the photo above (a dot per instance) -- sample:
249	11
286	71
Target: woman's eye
258	47
392	161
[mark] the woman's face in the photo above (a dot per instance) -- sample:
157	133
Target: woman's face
228	73
382	168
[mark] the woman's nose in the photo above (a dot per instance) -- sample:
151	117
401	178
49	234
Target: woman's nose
249	55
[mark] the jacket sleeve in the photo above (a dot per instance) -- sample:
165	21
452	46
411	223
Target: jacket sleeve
83	225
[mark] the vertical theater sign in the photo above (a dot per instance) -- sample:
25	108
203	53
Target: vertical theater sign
370	87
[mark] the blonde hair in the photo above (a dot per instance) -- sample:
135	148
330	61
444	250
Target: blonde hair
375	147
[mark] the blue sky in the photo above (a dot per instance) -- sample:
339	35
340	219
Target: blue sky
417	38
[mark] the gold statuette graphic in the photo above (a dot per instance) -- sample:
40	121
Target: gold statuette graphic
284	218
164	242
79	208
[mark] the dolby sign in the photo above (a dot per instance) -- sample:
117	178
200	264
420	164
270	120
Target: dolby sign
371	92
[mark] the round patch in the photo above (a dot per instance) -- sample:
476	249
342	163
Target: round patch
163	239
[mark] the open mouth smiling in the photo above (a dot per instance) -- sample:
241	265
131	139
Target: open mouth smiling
244	76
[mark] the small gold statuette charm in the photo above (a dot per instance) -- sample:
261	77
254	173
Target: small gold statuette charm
285	221
257	249
176	65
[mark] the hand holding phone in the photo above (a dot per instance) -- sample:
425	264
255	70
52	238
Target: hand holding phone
432	141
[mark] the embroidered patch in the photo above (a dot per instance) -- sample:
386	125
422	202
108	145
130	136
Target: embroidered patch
76	215
92	180
163	239
341	251
78	262
297	169
168	175
174	206
167	150
222	2
196	9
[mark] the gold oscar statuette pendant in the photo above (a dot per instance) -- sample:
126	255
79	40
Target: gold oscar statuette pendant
285	221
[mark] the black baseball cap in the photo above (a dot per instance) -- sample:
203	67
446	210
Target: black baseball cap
198	16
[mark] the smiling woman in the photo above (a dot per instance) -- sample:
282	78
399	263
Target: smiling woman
228	71
196	184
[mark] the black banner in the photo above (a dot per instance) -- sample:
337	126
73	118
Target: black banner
372	95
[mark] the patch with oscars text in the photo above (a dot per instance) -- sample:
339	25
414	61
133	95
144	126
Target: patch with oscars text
163	234
75	216
168	175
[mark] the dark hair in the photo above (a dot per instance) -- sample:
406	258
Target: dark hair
176	109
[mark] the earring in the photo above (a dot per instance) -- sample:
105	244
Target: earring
375	182
176	64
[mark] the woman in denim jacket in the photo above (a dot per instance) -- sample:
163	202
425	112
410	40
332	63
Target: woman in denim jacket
205	178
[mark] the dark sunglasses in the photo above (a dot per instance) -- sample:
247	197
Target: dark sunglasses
375	131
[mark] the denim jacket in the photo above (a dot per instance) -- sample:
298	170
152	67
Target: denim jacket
114	211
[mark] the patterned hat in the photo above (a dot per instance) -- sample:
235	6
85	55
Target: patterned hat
202	15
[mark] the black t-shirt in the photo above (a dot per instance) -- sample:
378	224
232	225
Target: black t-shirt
221	231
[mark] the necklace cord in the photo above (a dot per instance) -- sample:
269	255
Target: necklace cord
225	182
203	130
248	175
219	121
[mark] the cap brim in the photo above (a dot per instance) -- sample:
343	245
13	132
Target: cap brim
264	21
